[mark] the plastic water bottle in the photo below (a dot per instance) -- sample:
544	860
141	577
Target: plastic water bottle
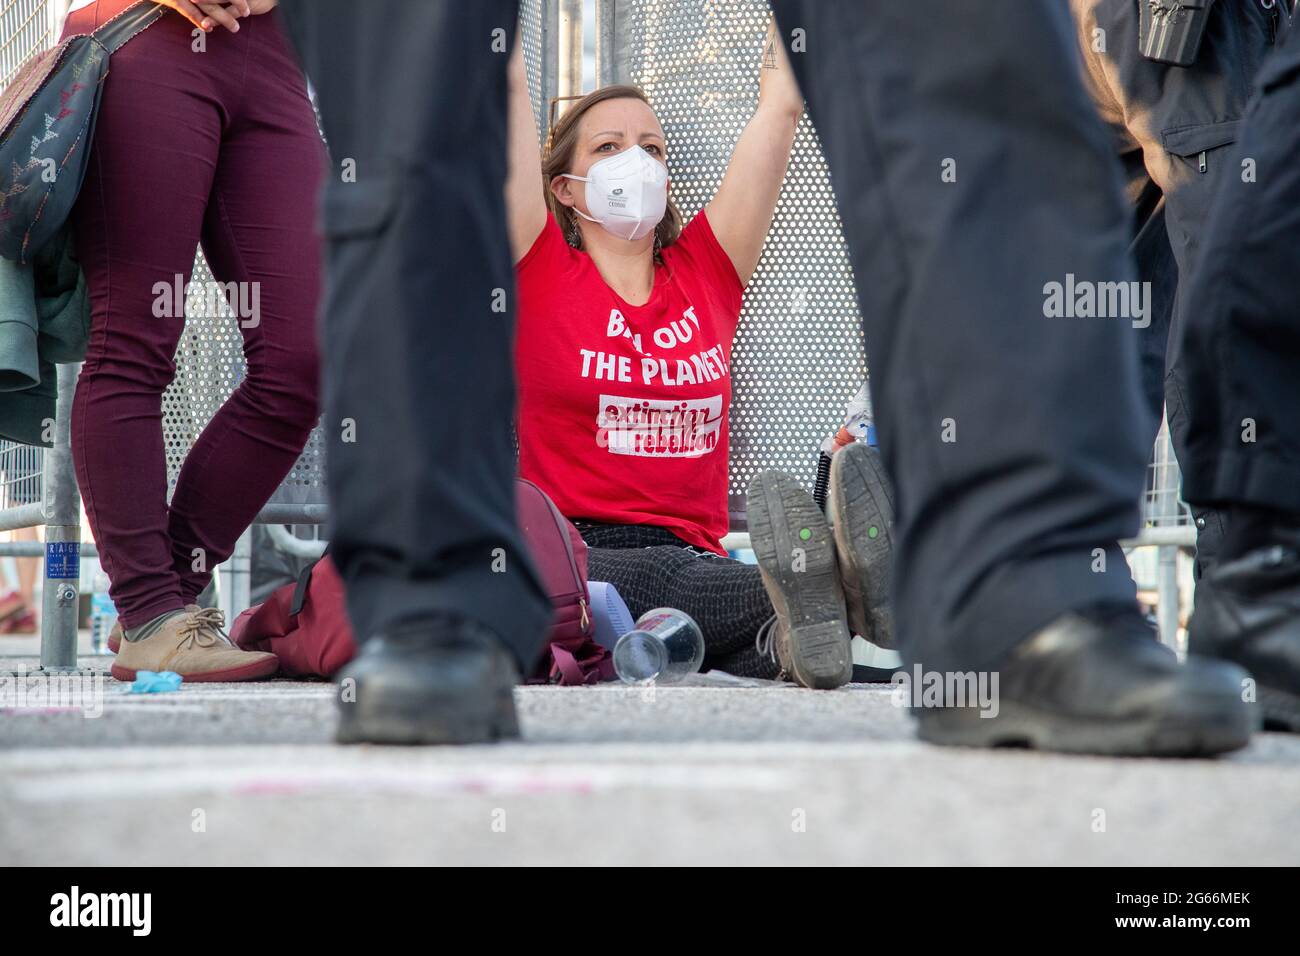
103	615
859	425
859	420
666	646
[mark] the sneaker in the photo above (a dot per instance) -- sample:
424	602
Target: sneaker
193	645
860	508
796	556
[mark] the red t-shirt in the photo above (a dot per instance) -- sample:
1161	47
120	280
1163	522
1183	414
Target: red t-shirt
623	408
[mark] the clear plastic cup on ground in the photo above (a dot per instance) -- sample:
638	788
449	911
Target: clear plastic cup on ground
665	647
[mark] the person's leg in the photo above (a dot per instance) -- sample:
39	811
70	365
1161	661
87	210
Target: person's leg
724	596
972	171
259	235
137	221
1239	347
971	174
1210	521
419	383
1242	445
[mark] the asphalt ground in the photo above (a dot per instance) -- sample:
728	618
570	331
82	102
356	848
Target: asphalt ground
720	773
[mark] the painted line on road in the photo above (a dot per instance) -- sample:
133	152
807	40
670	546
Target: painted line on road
279	781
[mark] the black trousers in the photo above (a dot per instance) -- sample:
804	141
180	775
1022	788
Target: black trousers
1175	127
1241	344
651	567
971	171
418	319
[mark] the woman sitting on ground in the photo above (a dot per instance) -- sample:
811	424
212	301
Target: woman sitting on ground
625	325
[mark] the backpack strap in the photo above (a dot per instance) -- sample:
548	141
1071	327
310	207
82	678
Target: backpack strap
571	672
304	582
113	34
596	667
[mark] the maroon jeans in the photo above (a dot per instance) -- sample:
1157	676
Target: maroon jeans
220	148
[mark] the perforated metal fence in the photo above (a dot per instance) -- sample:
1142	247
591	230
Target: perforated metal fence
798	356
209	366
530	26
26	27
210	360
799	351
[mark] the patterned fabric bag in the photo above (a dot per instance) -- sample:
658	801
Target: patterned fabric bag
47	121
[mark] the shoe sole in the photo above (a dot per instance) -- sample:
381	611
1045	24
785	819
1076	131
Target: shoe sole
442	723
1223	727
863	503
257	670
779	510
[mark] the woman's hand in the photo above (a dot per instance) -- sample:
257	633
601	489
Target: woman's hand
207	15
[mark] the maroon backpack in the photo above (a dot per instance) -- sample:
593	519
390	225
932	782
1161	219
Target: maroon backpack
304	624
572	656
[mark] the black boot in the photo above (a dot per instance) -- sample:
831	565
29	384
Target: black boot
1095	682
1248	612
434	681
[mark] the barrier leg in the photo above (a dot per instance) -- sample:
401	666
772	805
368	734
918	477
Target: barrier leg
234	578
62	504
1167	596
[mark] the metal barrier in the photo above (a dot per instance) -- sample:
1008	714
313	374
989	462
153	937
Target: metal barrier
1167	527
798	354
39	488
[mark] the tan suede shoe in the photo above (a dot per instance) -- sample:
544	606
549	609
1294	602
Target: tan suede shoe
193	645
115	638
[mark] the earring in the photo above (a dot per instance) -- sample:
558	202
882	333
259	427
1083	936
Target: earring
659	244
575	236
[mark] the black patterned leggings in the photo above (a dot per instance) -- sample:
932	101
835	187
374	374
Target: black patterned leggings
651	567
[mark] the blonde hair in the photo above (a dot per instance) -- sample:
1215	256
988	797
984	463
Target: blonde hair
557	158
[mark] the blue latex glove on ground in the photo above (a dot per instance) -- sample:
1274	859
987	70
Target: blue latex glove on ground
155	682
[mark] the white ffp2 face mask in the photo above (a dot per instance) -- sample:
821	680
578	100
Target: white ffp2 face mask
626	193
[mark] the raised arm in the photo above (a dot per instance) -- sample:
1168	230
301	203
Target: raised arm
741	212
525	204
